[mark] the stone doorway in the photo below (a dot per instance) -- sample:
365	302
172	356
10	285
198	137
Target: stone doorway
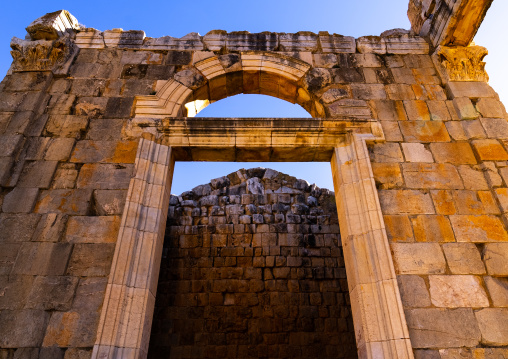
126	319
252	267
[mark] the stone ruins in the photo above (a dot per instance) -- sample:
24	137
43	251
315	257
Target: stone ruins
252	264
252	267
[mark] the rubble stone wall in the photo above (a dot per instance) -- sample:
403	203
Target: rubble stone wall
253	268
67	154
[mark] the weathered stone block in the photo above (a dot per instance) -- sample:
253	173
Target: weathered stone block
475	202
77	353
438	328
473	129
20	200
492	323
386	152
453	152
65	176
439	111
335	94
349	108
368	91
50	228
72	202
109	202
52	293
465	108
10	144
400	92
91	259
413	291
470	89
398	228
8	256
387	110
27	81
66	125
17	227
52	25
119	107
418	258
81	229
52	353
105	176
453	291
417	110
6	164
473	178
427	354
371	44
105	129
495	256
22	328
387	175
424	131
90	294
490	107
59	149
42	258
472	353
403	75
416	152
15	290
37	174
478	229
61	104
490	150
431	176
405	201
104	151
498	290
463	258
432	229
366	60
495	127
71	329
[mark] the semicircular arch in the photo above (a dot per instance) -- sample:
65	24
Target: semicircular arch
216	77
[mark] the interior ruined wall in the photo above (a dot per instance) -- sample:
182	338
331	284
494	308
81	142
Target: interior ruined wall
65	167
253	267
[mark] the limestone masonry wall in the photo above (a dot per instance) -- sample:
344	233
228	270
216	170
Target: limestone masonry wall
83	207
252	267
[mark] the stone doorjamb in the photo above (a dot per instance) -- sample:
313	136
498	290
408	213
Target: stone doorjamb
125	324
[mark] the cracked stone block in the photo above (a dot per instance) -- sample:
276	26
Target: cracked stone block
495	256
492	323
437	328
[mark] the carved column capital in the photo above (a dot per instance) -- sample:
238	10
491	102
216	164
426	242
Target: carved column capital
461	63
43	55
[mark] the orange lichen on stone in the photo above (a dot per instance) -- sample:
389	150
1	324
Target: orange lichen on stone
432	229
479	229
490	150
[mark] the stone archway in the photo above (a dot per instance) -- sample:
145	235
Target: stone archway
213	78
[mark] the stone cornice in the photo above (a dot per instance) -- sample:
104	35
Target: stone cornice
222	41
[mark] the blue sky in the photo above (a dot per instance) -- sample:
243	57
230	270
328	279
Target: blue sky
177	18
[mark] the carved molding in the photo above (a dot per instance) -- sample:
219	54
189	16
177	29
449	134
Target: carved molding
42	55
461	63
447	23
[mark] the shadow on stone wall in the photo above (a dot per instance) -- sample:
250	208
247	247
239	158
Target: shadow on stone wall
253	267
